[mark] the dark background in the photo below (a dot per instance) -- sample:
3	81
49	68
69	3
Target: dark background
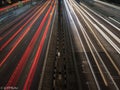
5	2
112	1
14	1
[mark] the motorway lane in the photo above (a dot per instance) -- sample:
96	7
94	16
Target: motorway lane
103	9
15	55
7	37
19	20
22	47
111	30
23	56
26	30
80	82
39	51
90	53
95	51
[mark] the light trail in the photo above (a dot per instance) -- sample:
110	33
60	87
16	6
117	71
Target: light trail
14	21
102	18
105	36
22	36
46	55
17	72
19	30
19	23
111	60
81	12
73	26
95	59
114	20
104	27
38	54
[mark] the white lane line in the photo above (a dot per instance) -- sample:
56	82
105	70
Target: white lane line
73	26
101	17
114	20
104	35
45	61
97	52
108	4
104	27
111	60
95	59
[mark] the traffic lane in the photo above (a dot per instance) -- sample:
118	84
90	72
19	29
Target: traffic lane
103	41
12	15
93	39
23	35
108	46
112	37
40	25
80	34
30	61
19	31
111	68
98	35
95	67
94	29
110	65
114	55
17	23
114	20
40	62
104	9
39	51
80	57
8	25
102	22
16	54
14	23
111	33
11	31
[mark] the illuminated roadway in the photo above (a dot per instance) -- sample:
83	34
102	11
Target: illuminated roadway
99	42
22	43
93	48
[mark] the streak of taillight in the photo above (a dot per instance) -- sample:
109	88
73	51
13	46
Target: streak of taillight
17	72
18	31
21	37
37	56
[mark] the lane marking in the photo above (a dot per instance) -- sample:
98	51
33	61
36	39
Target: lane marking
17	72
44	66
114	20
73	26
108	4
101	17
102	47
15	26
18	31
95	59
21	37
37	56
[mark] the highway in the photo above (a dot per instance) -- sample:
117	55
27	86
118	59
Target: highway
22	46
99	42
62	45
